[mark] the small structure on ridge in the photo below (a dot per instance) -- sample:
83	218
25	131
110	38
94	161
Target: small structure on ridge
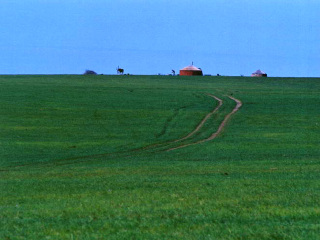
191	71
259	73
89	72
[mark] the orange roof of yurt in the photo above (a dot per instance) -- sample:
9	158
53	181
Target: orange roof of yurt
191	71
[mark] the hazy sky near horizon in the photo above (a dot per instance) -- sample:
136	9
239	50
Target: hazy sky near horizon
229	37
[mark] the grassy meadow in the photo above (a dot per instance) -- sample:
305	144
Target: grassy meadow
79	158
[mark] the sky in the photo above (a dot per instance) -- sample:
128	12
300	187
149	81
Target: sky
226	37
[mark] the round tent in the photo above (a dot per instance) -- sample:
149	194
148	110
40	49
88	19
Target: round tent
191	71
258	73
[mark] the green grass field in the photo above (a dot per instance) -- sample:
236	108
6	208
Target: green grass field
79	160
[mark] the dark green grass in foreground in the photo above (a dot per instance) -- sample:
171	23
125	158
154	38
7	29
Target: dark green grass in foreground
258	180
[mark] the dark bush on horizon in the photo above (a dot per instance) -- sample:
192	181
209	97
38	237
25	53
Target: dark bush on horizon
90	72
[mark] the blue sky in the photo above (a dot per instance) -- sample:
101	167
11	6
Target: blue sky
229	37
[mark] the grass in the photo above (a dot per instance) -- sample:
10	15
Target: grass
68	172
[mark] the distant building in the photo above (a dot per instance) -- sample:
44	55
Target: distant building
89	72
191	71
259	73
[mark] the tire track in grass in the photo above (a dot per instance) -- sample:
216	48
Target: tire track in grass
221	127
133	151
153	147
203	120
198	127
168	121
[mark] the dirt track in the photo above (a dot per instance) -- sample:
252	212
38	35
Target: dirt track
203	120
154	147
221	126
